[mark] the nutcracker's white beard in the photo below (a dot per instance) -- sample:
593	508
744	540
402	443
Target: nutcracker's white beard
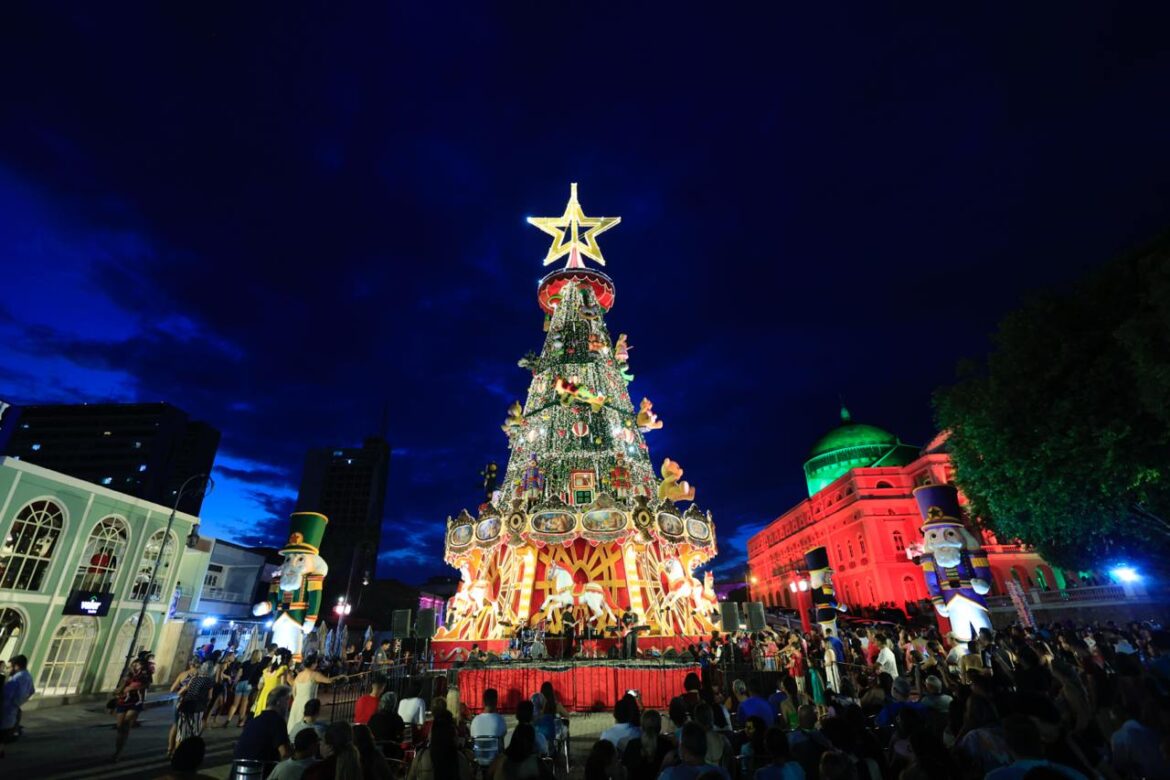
947	557
290	580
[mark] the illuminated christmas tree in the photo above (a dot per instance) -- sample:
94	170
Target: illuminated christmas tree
580	521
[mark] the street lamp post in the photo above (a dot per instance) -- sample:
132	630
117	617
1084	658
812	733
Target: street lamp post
343	607
207	485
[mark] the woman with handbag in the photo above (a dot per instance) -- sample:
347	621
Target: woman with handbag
130	697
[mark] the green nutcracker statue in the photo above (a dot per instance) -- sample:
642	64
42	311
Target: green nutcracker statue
294	597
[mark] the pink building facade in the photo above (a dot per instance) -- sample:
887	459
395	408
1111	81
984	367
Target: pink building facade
861	508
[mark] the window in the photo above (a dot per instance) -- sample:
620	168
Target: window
883	484
850	545
840	560
68	653
11	632
28	549
899	542
910	588
103	552
861	543
150	557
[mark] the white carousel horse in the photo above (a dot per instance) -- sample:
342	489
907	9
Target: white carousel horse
703	596
565	594
679	586
470	598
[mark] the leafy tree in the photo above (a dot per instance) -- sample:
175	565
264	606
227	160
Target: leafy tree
1062	439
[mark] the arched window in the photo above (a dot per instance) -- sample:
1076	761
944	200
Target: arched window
840	560
872	593
910	588
68	654
103	553
122	646
1016	576
12	627
899	542
849	543
861	543
150	557
1041	580
28	548
883	484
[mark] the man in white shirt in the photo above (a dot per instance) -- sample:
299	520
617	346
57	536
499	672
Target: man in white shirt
413	710
489	723
625	727
886	662
304	756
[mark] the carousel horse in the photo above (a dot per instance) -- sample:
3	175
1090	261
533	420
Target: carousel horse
564	593
470	598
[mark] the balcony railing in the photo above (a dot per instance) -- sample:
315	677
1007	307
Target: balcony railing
1112	594
219	594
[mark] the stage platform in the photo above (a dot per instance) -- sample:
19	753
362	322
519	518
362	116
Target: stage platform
649	648
581	686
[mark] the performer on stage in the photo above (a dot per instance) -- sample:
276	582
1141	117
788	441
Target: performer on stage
527	636
568	634
629	634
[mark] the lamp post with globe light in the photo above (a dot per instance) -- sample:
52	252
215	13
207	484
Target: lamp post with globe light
201	483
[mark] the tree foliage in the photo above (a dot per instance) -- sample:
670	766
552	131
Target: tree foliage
1062	438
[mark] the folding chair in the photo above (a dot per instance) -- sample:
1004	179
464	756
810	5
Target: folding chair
485	750
248	769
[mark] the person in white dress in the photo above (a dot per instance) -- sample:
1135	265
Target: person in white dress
305	688
832	675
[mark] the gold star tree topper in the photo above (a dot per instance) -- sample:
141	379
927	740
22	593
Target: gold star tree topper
577	244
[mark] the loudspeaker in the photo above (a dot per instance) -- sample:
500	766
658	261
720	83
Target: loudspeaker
424	624
400	623
729	616
755	616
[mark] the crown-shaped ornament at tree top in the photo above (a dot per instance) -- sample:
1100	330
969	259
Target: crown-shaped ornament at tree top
581	521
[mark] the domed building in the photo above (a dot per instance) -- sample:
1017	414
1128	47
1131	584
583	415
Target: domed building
853	445
861	508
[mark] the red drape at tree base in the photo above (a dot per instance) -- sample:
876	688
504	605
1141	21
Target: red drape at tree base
583	688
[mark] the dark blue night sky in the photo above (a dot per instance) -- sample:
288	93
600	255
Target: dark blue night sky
281	217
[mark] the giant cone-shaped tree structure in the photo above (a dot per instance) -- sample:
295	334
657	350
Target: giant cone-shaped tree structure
581	522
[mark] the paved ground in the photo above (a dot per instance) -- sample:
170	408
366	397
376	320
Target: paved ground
77	741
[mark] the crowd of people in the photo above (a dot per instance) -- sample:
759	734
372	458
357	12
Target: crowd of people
1056	701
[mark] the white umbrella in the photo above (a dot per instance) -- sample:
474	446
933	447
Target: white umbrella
322	631
253	642
330	640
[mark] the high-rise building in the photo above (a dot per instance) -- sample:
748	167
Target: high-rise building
347	485
142	450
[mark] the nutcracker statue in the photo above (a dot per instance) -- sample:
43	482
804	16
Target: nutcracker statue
294	597
619	478
532	482
953	563
820	583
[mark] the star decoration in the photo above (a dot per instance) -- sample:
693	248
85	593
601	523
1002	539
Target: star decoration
576	245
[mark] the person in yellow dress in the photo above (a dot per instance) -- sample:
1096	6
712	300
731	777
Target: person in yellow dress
275	675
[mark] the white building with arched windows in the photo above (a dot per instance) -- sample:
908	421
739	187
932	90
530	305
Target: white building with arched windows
76	563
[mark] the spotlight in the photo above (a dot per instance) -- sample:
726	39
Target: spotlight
1125	574
208	622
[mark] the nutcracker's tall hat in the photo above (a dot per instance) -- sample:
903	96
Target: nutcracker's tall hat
817	559
306	529
938	505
